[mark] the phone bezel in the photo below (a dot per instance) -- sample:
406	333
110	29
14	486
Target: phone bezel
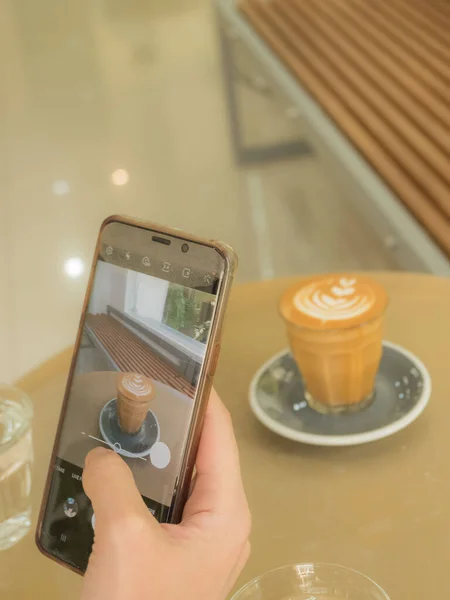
204	384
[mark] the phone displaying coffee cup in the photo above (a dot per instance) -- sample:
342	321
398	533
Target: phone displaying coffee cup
335	329
141	375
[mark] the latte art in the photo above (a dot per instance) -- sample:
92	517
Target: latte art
136	384
334	299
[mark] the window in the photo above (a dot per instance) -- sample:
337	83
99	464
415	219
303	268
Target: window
188	311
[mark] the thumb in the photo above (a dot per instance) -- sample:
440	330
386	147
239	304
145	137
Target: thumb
109	484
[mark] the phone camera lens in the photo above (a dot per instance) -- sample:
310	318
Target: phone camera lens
185	248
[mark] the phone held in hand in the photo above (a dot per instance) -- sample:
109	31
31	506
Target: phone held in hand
141	373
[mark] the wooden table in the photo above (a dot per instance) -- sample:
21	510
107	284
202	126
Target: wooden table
383	508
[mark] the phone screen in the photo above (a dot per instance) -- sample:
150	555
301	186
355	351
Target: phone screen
135	376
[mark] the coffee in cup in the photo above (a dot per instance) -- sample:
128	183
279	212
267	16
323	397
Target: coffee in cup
335	329
134	395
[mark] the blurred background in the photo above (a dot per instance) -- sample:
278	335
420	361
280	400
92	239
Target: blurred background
120	107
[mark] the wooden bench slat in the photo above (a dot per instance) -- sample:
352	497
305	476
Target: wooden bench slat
357	97
431	33
428	12
397	61
403	184
380	83
436	9
369	13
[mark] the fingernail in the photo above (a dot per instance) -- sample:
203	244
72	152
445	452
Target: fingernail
96	453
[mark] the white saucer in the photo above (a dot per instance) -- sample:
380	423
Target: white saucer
402	391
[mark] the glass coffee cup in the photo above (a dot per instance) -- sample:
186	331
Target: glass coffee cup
311	582
16	459
335	329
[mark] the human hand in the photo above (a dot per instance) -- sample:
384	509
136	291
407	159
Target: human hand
136	558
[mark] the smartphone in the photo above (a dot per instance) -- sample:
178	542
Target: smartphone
141	373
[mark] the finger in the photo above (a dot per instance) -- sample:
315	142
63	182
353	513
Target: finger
109	483
218	487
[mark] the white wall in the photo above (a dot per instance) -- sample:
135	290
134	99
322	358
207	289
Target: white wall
101	290
148	296
129	292
118	288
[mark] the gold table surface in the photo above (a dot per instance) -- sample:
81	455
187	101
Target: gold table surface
382	508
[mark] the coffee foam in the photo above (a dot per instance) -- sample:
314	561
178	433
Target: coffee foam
136	384
333	301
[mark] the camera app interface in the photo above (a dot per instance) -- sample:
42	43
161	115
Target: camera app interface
133	387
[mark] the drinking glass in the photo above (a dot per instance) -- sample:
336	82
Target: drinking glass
311	582
16	458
